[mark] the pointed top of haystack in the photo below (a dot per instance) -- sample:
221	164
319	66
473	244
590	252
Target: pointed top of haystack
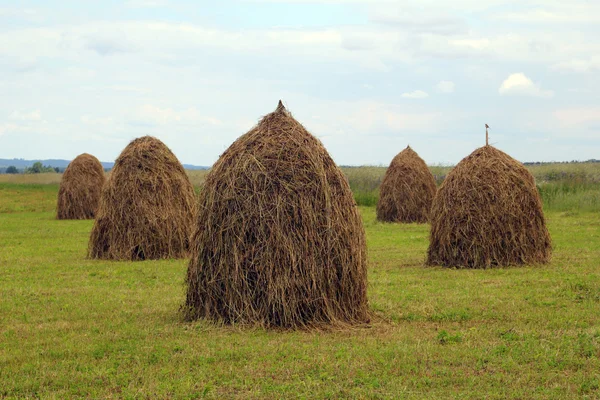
409	150
281	108
406	154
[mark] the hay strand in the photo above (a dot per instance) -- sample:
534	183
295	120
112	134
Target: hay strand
407	190
147	207
279	241
488	213
80	188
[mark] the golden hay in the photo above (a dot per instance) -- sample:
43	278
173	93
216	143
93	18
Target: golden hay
147	208
488	213
80	188
279	241
407	189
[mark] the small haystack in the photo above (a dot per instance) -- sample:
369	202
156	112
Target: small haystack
80	188
147	208
279	241
488	213
407	189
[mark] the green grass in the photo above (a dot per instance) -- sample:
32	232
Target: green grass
72	327
27	197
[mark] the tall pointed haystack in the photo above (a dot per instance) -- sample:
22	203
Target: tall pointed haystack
407	189
147	208
279	241
488	213
80	188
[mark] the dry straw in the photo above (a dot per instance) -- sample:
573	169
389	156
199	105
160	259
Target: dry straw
147	208
80	188
488	213
407	189
279	241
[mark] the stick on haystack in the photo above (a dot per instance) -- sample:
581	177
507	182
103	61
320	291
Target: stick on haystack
407	189
488	213
147	208
80	188
279	241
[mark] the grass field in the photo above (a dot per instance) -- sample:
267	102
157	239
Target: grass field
72	327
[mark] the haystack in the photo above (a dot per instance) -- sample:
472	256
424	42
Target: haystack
80	188
488	213
407	189
147	208
279	241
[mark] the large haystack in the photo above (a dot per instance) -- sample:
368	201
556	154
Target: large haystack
279	241
488	213
80	188
407	189
147	208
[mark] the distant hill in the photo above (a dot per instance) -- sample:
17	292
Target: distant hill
62	164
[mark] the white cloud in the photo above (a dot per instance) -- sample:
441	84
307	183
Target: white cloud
416	22
570	12
417	94
519	84
579	65
150	114
103	121
367	118
578	116
34	115
371	46
446	86
576	123
146	3
27	14
13	128
471	43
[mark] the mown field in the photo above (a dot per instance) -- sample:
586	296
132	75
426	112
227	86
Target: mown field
77	328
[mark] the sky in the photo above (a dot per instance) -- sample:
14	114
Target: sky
367	77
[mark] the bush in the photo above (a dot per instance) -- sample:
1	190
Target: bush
38	168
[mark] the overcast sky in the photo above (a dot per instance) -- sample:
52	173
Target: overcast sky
367	77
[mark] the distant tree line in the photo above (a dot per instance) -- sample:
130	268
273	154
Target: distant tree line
592	160
36	168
